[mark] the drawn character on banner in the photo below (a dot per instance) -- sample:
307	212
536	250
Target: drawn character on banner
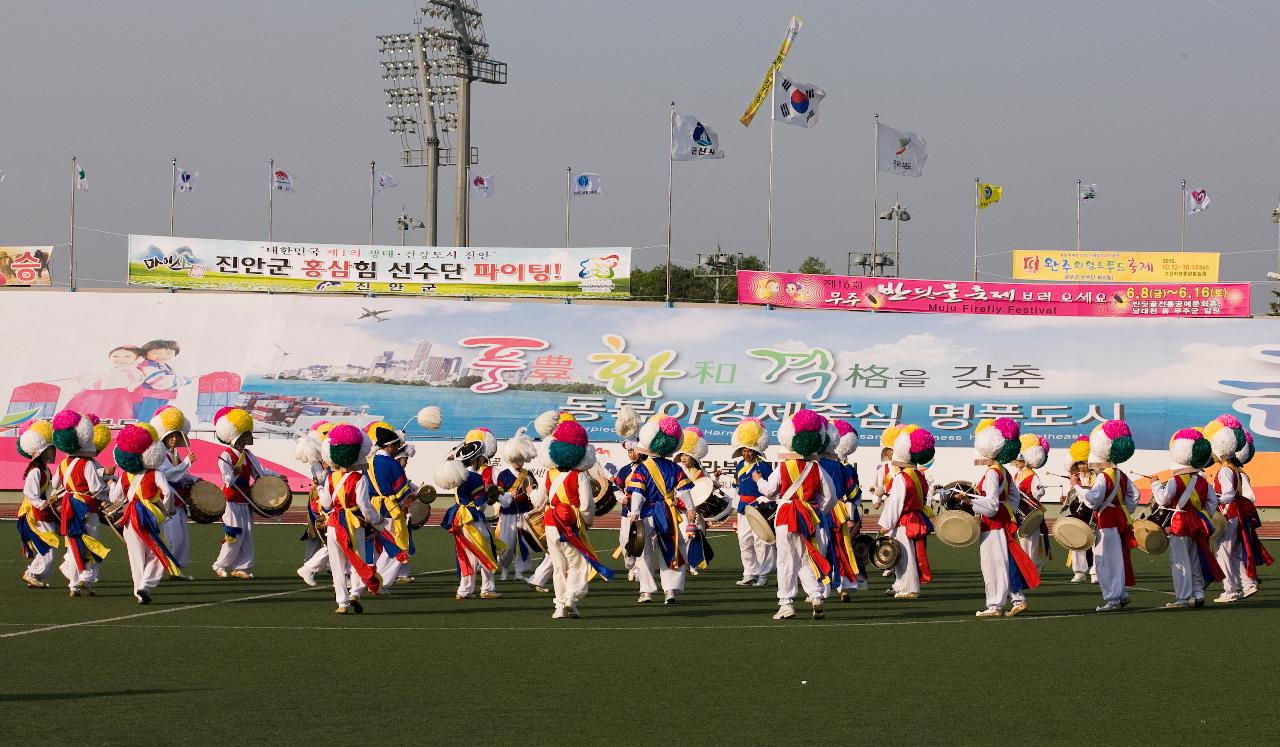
159	382
501	355
113	394
624	374
820	360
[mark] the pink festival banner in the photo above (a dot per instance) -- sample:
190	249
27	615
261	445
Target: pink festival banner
856	293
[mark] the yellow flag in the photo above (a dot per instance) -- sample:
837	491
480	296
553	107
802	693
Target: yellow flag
793	28
988	194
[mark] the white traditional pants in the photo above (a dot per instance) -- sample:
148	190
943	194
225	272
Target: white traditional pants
318	560
346	582
906	574
758	557
651	558
509	532
794	565
993	550
389	568
1108	565
1231	557
1080	563
176	536
41	566
1033	546
144	566
624	531
467	581
238	555
1182	561
542	574
571	572
76	577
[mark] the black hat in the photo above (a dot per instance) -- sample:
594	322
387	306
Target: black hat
383	436
468	451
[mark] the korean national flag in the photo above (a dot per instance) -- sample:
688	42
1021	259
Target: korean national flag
797	103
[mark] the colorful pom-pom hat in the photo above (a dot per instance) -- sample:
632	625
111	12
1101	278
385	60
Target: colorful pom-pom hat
230	424
138	448
803	433
1035	450
750	434
1112	442
1189	448
998	440
913	445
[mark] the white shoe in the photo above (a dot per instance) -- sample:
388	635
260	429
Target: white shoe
644	598
887	573
745	581
572	611
1108	607
785	612
307	576
863	585
1226	598
220	572
988	613
559	614
1079	578
669	597
1249	591
762	581
818	611
631	574
522	577
1177	605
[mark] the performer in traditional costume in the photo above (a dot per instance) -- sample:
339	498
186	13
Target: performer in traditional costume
391	495
902	515
837	521
804	493
1007	571
882	477
172	426
475	549
759	558
37	514
852	498
1113	497
693	449
1239	549
140	453
1080	478
1034	455
307	450
83	485
626	425
345	498
239	469
1192	499
1252	553
658	490
517	483
568	501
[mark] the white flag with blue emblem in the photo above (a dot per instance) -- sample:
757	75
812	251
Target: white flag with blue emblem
797	103
186	180
691	140
586	184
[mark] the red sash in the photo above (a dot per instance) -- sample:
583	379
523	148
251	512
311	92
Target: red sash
1003	522
914	521
341	519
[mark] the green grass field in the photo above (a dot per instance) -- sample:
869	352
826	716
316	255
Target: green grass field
266	661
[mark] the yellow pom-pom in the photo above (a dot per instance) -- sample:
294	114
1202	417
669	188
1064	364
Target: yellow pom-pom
101	437
889	436
242	420
1079	451
983	424
171	418
475	434
146	427
567	417
44	428
690	442
374	426
1027	440
324	429
749	432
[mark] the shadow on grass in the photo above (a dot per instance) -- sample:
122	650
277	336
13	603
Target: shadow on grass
31	697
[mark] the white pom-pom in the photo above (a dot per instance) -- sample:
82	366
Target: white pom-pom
1224	443
989	442
786	433
1035	456
300	450
588	459
430	418
450	474
546	423
1180	450
902	447
154	455
627	423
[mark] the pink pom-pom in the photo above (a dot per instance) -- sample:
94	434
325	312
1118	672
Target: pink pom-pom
806	420
843	427
65	419
25	427
670	426
1008	427
757	421
921	440
345	435
133	439
93	418
571	432
316	425
1115	429
1190	433
1082	438
1044	444
1248	437
1230	421
695	430
221	411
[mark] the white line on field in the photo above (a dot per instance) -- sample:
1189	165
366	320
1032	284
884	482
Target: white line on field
184	608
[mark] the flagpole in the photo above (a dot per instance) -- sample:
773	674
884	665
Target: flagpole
671	143
75	178
1182	225
1078	203
773	89
568	177
875	198
372	179
271	187
173	191
976	182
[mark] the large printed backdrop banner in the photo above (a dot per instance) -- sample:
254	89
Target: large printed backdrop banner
292	360
224	264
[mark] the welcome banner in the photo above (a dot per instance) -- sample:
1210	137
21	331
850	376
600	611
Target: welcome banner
224	264
1058	265
857	293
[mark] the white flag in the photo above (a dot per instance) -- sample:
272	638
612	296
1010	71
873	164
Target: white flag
1197	200
900	152
1088	192
482	186
691	140
586	184
2	175
187	180
797	102
82	181
383	180
282	180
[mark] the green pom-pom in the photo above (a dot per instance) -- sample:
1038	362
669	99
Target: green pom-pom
808	442
131	463
566	456
664	445
22	453
923	457
1009	452
1121	449
344	455
66	441
1201	453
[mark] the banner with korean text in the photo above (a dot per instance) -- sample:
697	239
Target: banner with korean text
25	265
279	267
1070	266
858	293
292	360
